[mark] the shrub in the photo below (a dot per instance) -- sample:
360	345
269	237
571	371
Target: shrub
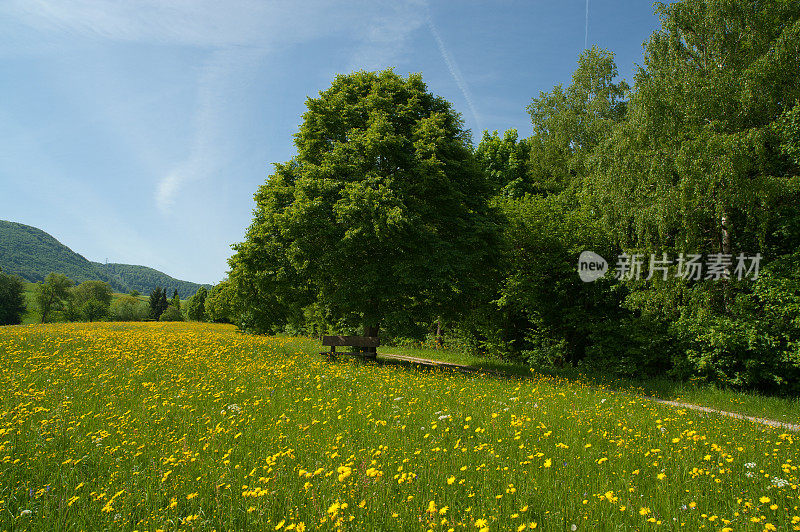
171	314
128	308
756	343
89	301
93	310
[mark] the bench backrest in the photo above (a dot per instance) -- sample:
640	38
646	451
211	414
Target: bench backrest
353	341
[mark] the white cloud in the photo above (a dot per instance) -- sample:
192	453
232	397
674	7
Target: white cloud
217	94
207	23
386	37
235	34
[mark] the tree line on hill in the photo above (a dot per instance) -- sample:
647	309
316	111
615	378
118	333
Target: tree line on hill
388	221
58	298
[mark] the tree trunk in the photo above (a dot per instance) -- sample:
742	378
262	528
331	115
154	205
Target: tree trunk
727	227
726	234
371	330
438	333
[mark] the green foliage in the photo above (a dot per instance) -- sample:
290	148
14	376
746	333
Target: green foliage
756	344
630	345
788	128
171	314
12	299
381	219
547	315
89	301
705	163
52	294
128	308
157	302
176	300
549	312
504	161
196	305
569	123
219	304
702	159
93	310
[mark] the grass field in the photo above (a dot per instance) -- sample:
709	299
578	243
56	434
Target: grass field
193	426
784	409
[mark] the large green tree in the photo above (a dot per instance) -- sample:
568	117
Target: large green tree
91	300
382	217
704	164
12	299
52	294
158	302
196	306
219	304
568	123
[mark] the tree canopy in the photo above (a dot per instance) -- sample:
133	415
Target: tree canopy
381	217
52	294
12	299
91	300
196	306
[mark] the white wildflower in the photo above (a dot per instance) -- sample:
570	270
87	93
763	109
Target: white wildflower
779	482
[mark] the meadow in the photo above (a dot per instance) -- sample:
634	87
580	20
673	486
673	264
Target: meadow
188	426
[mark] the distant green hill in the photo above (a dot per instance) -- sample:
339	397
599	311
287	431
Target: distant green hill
32	254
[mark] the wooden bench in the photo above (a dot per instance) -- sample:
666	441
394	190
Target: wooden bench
366	343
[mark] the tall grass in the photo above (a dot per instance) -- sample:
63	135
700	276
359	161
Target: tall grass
194	426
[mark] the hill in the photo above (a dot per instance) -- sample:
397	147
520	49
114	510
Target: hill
32	254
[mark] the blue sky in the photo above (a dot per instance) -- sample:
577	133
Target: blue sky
138	131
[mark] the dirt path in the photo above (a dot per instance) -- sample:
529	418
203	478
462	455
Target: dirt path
472	369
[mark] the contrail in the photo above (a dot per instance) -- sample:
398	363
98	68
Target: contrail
455	72
586	34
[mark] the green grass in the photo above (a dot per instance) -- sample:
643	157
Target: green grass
730	400
32	315
197	426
